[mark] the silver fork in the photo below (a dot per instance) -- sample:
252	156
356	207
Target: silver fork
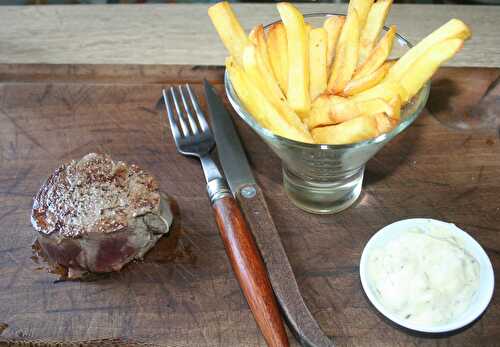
193	137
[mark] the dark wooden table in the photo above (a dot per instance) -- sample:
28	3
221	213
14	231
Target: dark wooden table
184	293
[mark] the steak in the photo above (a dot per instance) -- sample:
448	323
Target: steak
96	215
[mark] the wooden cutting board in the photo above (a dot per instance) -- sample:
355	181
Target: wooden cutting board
184	293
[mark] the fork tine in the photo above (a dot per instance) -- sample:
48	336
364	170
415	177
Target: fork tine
184	127
173	124
201	117
192	122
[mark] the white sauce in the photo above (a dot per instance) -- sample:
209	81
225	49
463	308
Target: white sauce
424	277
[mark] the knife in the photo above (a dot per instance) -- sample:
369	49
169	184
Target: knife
251	199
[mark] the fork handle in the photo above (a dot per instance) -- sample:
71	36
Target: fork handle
250	270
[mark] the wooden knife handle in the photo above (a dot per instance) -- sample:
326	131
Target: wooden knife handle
300	320
250	270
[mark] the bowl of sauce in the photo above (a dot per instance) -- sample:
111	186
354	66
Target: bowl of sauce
426	275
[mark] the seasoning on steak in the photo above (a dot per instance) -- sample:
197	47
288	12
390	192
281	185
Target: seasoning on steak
97	215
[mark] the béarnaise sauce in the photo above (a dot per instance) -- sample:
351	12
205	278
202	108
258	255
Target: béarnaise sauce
425	277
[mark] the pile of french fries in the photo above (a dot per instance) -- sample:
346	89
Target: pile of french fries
334	84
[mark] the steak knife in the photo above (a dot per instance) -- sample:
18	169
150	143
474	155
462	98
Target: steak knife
251	199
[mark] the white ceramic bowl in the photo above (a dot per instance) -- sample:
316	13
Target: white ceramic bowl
480	300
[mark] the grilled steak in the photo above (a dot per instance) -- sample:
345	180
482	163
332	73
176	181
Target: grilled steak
97	215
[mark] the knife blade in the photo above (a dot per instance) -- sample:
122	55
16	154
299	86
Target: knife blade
252	202
231	153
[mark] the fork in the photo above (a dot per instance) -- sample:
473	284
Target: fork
193	137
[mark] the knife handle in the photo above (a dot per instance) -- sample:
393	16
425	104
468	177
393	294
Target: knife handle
250	270
300	320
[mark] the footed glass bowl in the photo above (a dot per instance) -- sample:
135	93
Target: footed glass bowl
328	178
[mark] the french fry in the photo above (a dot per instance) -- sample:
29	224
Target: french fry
453	29
317	61
346	56
278	53
256	71
323	103
325	99
380	106
368	81
362	8
384	123
378	55
260	108
427	64
229	29
374	24
257	64
333	26
395	104
298	58
240	82
258	37
332	113
386	90
351	131
344	111
357	129
334	84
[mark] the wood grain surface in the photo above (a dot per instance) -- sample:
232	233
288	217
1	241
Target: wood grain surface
183	34
185	293
299	318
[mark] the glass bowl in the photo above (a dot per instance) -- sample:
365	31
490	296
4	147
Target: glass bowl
327	178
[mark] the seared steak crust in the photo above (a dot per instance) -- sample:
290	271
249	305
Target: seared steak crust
96	214
93	195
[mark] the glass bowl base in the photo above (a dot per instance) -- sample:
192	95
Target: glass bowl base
323	197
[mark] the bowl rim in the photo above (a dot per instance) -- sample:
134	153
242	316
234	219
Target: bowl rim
242	112
482	297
